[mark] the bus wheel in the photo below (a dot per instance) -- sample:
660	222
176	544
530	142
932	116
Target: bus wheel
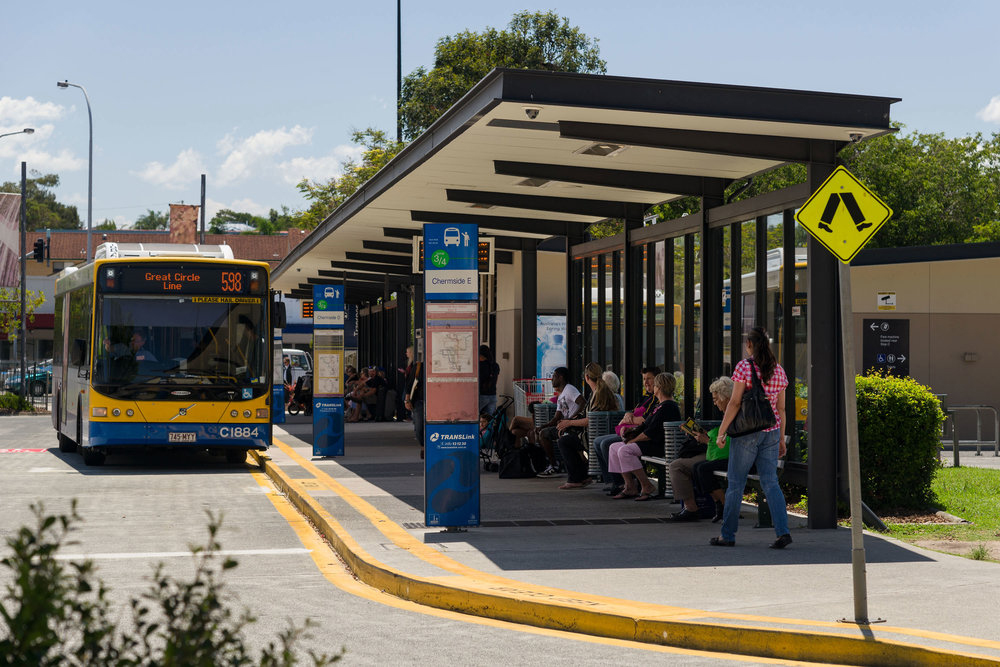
236	456
93	457
37	389
66	445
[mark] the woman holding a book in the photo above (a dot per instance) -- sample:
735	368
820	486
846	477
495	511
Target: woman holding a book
695	474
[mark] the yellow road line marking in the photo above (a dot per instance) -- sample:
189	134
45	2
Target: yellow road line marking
331	567
616	617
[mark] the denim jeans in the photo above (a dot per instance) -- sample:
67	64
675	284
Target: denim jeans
602	444
760	448
487	404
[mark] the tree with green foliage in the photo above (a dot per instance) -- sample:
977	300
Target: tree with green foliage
152	221
378	149
940	190
532	40
272	224
107	225
43	211
56	612
10	309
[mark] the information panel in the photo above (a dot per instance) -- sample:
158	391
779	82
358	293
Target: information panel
328	355
451	482
885	346
452	366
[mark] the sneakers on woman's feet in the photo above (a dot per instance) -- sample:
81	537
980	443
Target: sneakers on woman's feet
550	471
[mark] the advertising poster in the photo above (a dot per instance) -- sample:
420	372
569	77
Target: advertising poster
452	366
327	381
550	344
451	482
10	240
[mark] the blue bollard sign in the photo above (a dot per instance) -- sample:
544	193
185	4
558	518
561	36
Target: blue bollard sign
451	480
328	373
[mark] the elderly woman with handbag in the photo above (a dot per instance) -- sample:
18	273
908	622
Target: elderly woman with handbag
755	420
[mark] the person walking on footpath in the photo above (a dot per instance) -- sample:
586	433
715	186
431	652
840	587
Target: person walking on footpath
763	447
413	399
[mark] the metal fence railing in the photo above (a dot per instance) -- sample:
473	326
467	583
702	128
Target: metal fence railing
36	386
951	414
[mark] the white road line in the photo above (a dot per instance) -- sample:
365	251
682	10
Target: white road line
183	554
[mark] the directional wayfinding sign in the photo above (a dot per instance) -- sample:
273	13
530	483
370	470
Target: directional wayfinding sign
843	214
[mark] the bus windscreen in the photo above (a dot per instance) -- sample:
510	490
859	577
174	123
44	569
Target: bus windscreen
180	347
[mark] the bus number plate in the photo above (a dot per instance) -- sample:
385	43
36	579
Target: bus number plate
180	437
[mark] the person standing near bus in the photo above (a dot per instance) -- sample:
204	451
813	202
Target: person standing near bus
413	399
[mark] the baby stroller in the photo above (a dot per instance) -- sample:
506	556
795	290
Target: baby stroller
494	437
301	399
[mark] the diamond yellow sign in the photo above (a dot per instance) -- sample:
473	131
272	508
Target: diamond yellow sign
843	214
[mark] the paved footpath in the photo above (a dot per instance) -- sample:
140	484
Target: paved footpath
579	561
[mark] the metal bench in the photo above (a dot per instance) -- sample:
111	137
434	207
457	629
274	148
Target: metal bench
599	423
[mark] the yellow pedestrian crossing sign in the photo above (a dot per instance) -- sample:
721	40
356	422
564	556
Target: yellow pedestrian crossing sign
843	214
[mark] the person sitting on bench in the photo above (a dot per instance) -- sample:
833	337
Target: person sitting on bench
570	442
694	475
646	440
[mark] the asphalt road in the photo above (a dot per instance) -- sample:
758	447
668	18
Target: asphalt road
142	510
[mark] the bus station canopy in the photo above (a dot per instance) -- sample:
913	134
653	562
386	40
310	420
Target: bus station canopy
528	155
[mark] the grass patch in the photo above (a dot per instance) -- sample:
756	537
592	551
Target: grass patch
972	494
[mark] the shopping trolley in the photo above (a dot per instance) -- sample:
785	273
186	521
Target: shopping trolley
528	391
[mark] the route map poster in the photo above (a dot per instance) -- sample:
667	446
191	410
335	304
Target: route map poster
452	390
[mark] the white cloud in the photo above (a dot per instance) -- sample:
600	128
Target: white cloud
27	111
991	112
185	172
245	205
244	154
321	168
47	163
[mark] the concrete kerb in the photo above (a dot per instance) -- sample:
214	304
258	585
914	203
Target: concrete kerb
604	617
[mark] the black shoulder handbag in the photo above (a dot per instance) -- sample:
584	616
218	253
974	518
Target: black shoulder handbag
755	410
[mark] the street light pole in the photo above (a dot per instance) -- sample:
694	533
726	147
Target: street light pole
90	167
27	130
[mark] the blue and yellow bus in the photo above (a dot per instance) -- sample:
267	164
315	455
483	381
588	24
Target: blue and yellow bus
160	345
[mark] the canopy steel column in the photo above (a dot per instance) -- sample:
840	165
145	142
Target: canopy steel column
670	362
735	294
632	362
602	311
575	282
529	307
418	321
788	317
689	375
586	294
825	361
649	359
616	310
711	308
760	273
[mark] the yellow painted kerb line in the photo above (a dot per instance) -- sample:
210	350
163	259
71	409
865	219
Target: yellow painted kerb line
481	594
333	570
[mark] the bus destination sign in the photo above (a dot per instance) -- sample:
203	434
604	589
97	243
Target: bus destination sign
179	278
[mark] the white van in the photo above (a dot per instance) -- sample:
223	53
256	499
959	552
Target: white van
300	360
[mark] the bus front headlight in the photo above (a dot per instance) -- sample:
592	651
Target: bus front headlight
99	412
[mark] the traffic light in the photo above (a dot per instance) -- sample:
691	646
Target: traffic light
39	253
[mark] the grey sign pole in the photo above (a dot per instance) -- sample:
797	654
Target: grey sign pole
853	456
23	334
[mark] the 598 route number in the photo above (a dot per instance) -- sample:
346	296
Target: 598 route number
239	432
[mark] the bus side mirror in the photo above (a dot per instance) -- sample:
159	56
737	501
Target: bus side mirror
278	317
78	353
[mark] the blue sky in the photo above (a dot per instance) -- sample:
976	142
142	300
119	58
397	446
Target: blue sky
258	95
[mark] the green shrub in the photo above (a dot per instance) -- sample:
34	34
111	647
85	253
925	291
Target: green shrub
13	402
899	432
58	614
